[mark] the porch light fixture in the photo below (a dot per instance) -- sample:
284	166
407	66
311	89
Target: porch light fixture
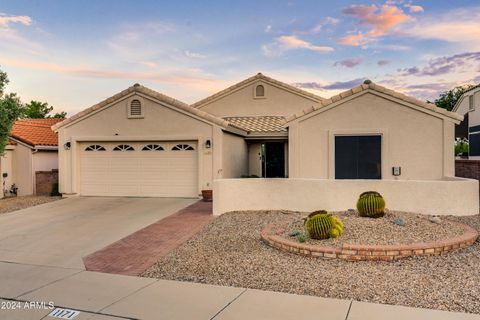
66	146
208	144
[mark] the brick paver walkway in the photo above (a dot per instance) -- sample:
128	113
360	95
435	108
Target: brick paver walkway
137	252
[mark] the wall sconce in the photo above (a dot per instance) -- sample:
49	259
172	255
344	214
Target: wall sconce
208	144
66	146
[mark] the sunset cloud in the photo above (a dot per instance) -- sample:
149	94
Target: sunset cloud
287	43
349	63
378	21
414	8
444	65
382	63
5	20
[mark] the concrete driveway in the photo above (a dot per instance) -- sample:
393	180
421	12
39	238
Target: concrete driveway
60	233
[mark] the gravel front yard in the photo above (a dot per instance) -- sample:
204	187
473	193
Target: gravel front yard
229	252
17	203
381	231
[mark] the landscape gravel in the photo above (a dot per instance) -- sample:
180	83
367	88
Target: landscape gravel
379	231
16	203
229	252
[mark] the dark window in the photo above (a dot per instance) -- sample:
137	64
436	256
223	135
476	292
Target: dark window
123	147
95	147
182	147
259	91
474	145
358	157
152	147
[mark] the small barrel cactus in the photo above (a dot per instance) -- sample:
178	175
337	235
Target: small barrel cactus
371	204
322	225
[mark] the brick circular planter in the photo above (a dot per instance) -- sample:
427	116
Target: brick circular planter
357	252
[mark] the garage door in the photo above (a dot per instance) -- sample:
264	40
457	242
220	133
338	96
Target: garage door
152	169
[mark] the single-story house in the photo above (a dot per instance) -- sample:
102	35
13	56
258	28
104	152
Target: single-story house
469	106
32	147
142	143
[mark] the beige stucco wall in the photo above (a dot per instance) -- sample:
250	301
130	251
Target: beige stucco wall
420	143
242	102
463	107
450	196
6	162
45	160
234	156
22	170
159	123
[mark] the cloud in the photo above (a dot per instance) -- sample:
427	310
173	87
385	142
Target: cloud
382	63
378	21
339	85
287	43
5	20
414	8
194	55
268	29
349	63
329	21
456	26
444	65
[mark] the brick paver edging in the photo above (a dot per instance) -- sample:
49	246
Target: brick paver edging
357	252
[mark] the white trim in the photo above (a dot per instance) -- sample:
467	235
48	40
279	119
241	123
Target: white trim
383	133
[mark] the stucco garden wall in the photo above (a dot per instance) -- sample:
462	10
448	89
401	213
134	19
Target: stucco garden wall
234	156
449	196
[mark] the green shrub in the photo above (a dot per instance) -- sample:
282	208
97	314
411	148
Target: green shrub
301	238
322	225
55	192
371	204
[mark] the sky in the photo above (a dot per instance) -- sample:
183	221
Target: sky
73	54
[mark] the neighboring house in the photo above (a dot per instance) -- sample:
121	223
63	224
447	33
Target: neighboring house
143	143
32	147
469	106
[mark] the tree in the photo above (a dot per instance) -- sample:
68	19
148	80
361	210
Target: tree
448	99
40	110
10	109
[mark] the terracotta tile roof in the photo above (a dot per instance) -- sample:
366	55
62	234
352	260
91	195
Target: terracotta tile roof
36	132
258	123
258	76
151	93
375	87
11	142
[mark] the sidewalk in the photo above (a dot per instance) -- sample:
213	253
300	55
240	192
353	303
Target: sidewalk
101	296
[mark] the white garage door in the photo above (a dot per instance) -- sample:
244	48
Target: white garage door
152	169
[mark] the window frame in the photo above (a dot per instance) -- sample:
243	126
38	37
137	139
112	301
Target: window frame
183	147
122	148
255	96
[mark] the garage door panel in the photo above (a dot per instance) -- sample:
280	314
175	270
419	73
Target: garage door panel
139	173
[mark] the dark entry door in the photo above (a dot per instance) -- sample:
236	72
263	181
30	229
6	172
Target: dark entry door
274	161
358	157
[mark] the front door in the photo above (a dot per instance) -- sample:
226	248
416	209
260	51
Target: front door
358	157
274	160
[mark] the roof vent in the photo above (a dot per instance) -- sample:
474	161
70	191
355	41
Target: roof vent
367	81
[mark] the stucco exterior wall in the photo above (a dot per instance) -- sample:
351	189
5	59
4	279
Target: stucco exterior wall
6	166
45	160
160	122
421	144
307	195
277	101
235	156
23	170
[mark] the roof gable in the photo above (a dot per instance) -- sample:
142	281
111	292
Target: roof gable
257	77
368	86
137	88
469	92
35	132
